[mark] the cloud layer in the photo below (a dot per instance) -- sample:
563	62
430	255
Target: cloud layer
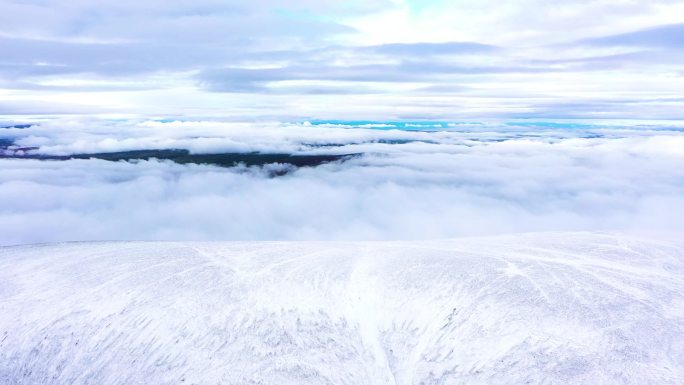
467	179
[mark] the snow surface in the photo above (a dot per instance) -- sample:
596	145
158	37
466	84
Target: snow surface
551	308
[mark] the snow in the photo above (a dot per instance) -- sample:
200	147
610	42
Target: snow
542	308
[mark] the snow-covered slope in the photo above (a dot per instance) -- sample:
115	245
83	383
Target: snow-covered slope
559	308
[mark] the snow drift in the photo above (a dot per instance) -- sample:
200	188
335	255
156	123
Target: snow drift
558	308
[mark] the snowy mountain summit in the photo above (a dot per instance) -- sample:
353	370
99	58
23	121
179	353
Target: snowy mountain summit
558	308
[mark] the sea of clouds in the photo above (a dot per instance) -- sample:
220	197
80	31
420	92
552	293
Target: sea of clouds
431	181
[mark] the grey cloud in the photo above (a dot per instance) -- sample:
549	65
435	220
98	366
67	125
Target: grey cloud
118	38
35	58
42	108
255	80
667	36
430	49
642	108
168	21
32	57
256	47
443	89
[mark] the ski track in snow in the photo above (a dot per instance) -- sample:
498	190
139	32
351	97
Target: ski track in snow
546	308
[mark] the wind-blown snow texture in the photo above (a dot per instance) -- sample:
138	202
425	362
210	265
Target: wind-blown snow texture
557	308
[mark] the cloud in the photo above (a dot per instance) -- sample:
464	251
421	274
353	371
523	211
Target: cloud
307	58
115	39
481	179
251	61
513	22
208	21
661	37
450	48
404	63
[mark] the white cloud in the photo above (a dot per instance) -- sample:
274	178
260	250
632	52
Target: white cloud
512	22
548	179
382	59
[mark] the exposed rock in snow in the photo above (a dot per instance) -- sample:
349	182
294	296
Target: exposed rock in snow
557	308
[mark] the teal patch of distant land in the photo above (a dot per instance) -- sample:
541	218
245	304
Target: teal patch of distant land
636	125
445	125
396	125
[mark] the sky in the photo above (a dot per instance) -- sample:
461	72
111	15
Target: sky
453	118
305	59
